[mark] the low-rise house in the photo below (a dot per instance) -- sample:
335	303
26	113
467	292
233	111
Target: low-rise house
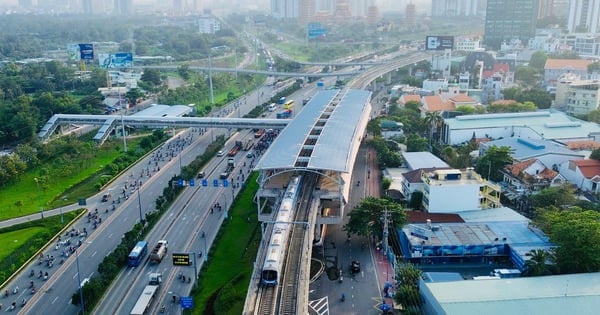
585	174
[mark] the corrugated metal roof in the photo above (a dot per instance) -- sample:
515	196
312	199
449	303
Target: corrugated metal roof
335	146
574	294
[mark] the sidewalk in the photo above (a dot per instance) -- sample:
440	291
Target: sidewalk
37	216
383	268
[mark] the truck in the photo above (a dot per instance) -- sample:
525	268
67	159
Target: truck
238	146
229	169
249	145
159	251
142	306
284	114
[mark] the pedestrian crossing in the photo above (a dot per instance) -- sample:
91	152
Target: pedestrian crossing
319	306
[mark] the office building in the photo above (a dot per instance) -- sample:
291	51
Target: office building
509	20
584	16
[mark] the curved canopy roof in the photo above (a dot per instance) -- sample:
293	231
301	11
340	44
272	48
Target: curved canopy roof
325	135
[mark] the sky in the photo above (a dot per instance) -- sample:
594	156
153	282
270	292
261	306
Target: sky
384	5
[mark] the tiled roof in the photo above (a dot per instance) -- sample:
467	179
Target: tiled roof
435	103
583	145
517	168
405	98
589	168
462	98
575	64
548	173
501	67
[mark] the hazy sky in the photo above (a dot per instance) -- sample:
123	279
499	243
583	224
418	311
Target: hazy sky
384	5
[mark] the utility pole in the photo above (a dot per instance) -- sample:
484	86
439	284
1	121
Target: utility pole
385	230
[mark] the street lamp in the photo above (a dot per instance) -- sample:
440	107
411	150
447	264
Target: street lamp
210	83
79	281
37	184
140	206
122	122
205	250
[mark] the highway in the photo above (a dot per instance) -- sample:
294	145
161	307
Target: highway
53	296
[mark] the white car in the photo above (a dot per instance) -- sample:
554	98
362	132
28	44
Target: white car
220	153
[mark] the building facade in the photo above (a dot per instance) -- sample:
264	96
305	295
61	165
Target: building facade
584	16
448	191
508	20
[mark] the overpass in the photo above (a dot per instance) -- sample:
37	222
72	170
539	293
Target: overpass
106	121
263	72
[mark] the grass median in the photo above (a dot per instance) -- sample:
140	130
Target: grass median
225	278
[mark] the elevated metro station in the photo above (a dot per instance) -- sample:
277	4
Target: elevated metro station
323	139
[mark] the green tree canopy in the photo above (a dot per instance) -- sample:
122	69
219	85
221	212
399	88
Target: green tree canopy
576	232
490	164
562	196
538	60
367	216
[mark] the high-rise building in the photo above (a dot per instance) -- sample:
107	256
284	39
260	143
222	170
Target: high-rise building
284	9
123	7
410	16
455	7
506	20
584	16
306	11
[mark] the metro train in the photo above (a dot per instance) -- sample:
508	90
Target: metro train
276	250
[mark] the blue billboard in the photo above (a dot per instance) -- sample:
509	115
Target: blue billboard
315	30
115	60
86	51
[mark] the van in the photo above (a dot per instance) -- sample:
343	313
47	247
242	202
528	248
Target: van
272	107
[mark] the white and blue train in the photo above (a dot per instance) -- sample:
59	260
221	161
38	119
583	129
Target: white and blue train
276	250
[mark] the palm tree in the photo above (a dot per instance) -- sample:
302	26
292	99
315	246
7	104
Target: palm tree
433	119
540	263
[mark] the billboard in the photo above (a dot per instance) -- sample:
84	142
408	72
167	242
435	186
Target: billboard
439	42
116	60
73	52
86	51
315	30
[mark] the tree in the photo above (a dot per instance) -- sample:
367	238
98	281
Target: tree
133	95
490	164
562	196
151	76
576	232
538	60
434	120
540	263
407	275
416	143
367	216
528	76
595	155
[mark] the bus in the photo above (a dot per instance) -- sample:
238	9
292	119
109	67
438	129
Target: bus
289	104
137	254
142	306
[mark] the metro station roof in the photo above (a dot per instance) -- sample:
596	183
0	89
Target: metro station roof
325	135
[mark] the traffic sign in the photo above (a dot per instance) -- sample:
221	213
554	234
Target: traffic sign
225	183
180	182
204	182
181	259
186	302
215	183
192	182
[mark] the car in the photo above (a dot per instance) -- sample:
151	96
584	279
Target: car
220	153
201	174
355	266
250	155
